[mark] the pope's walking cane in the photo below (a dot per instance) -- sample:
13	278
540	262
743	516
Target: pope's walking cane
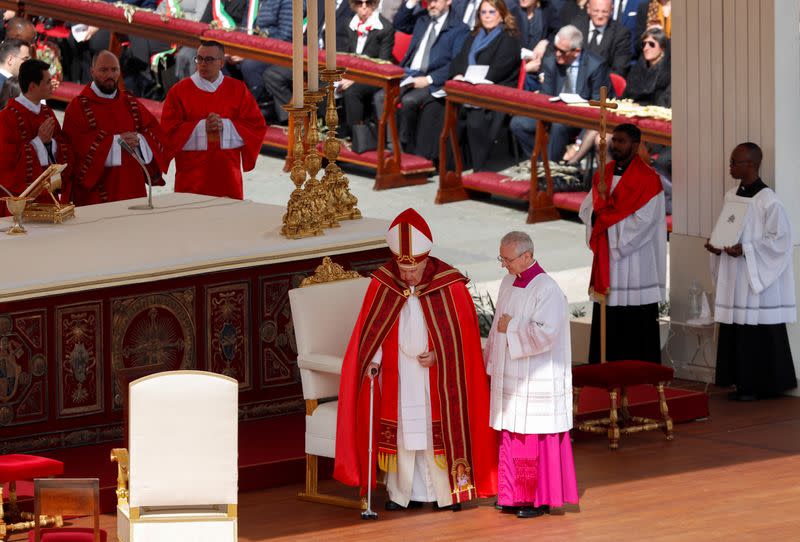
368	513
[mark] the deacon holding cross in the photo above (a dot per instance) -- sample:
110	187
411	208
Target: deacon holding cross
215	127
755	289
627	232
419	330
529	360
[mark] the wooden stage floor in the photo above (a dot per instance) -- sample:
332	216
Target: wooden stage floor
735	476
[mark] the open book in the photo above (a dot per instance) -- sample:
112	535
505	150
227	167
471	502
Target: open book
476	74
568	98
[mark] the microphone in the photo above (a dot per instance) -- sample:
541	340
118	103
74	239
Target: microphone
139	160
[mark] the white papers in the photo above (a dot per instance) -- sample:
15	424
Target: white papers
730	223
80	32
439	93
525	54
407	81
568	98
476	74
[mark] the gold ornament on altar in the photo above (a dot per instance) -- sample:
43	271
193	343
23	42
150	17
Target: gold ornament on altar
341	201
301	219
329	271
16	206
55	212
318	192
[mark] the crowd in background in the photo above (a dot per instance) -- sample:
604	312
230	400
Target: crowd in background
547	46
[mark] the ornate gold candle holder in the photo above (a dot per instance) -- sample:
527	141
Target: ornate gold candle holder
317	190
342	203
16	205
300	219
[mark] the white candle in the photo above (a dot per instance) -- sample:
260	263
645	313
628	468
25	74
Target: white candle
297	53
330	34
312	33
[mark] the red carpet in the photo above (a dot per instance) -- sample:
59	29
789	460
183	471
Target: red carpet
271	451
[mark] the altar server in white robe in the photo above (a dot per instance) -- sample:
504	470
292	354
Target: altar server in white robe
627	232
529	360
755	289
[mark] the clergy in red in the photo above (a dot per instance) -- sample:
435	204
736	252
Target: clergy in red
30	136
95	121
418	330
215	128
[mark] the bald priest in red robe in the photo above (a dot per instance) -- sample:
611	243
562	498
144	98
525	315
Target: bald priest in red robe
30	136
419	330
95	121
215	127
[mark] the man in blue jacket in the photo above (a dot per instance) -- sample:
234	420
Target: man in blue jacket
436	39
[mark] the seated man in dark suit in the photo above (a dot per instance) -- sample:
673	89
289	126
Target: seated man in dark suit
605	37
566	68
625	13
437	37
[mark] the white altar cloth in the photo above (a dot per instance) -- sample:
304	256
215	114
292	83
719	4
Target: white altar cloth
186	234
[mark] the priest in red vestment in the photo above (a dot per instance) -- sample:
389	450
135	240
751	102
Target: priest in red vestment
30	136
95	121
418	328
215	127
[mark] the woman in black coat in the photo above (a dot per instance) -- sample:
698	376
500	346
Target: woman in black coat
649	81
371	34
495	43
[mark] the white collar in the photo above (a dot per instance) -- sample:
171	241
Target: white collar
208	86
29	105
102	94
6	73
373	21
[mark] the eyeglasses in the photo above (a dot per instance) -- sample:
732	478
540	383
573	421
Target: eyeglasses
563	52
488	11
506	261
362	2
205	59
649	44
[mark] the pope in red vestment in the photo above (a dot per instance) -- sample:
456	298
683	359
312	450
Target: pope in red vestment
30	136
418	328
95	121
215	127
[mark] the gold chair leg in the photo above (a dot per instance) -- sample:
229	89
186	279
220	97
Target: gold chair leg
312	493
625	414
662	402
613	427
576	395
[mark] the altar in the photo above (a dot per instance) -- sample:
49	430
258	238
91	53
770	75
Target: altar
196	283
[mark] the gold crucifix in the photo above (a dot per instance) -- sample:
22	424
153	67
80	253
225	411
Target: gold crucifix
602	191
604	105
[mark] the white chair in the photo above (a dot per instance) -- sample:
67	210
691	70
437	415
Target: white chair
324	311
178	479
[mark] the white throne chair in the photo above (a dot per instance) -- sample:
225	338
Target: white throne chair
178	478
324	310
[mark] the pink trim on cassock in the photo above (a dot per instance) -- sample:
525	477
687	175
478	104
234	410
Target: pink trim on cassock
536	470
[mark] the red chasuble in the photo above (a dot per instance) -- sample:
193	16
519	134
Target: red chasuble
19	163
215	171
90	123
463	442
638	185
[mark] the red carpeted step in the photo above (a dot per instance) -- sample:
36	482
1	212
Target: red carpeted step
684	405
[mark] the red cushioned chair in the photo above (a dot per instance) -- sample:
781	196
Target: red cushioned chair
67	497
15	467
619	83
401	43
616	377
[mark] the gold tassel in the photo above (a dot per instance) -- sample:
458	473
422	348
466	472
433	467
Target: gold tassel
387	462
382	462
441	461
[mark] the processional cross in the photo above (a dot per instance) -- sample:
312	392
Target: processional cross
602	191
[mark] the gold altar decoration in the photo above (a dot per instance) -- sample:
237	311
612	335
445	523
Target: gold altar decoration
55	212
329	271
629	108
16	206
301	219
316	189
341	200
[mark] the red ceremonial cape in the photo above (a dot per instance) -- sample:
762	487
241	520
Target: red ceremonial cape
638	185
459	387
215	172
19	163
90	123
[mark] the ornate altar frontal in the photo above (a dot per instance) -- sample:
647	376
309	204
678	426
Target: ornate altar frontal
197	283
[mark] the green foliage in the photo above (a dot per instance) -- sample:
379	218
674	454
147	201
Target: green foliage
484	306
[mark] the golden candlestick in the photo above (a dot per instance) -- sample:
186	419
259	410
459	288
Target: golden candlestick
318	191
342	203
300	219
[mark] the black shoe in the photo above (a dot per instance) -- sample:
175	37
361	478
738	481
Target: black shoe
506	509
454	507
545	508
529	512
392	506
